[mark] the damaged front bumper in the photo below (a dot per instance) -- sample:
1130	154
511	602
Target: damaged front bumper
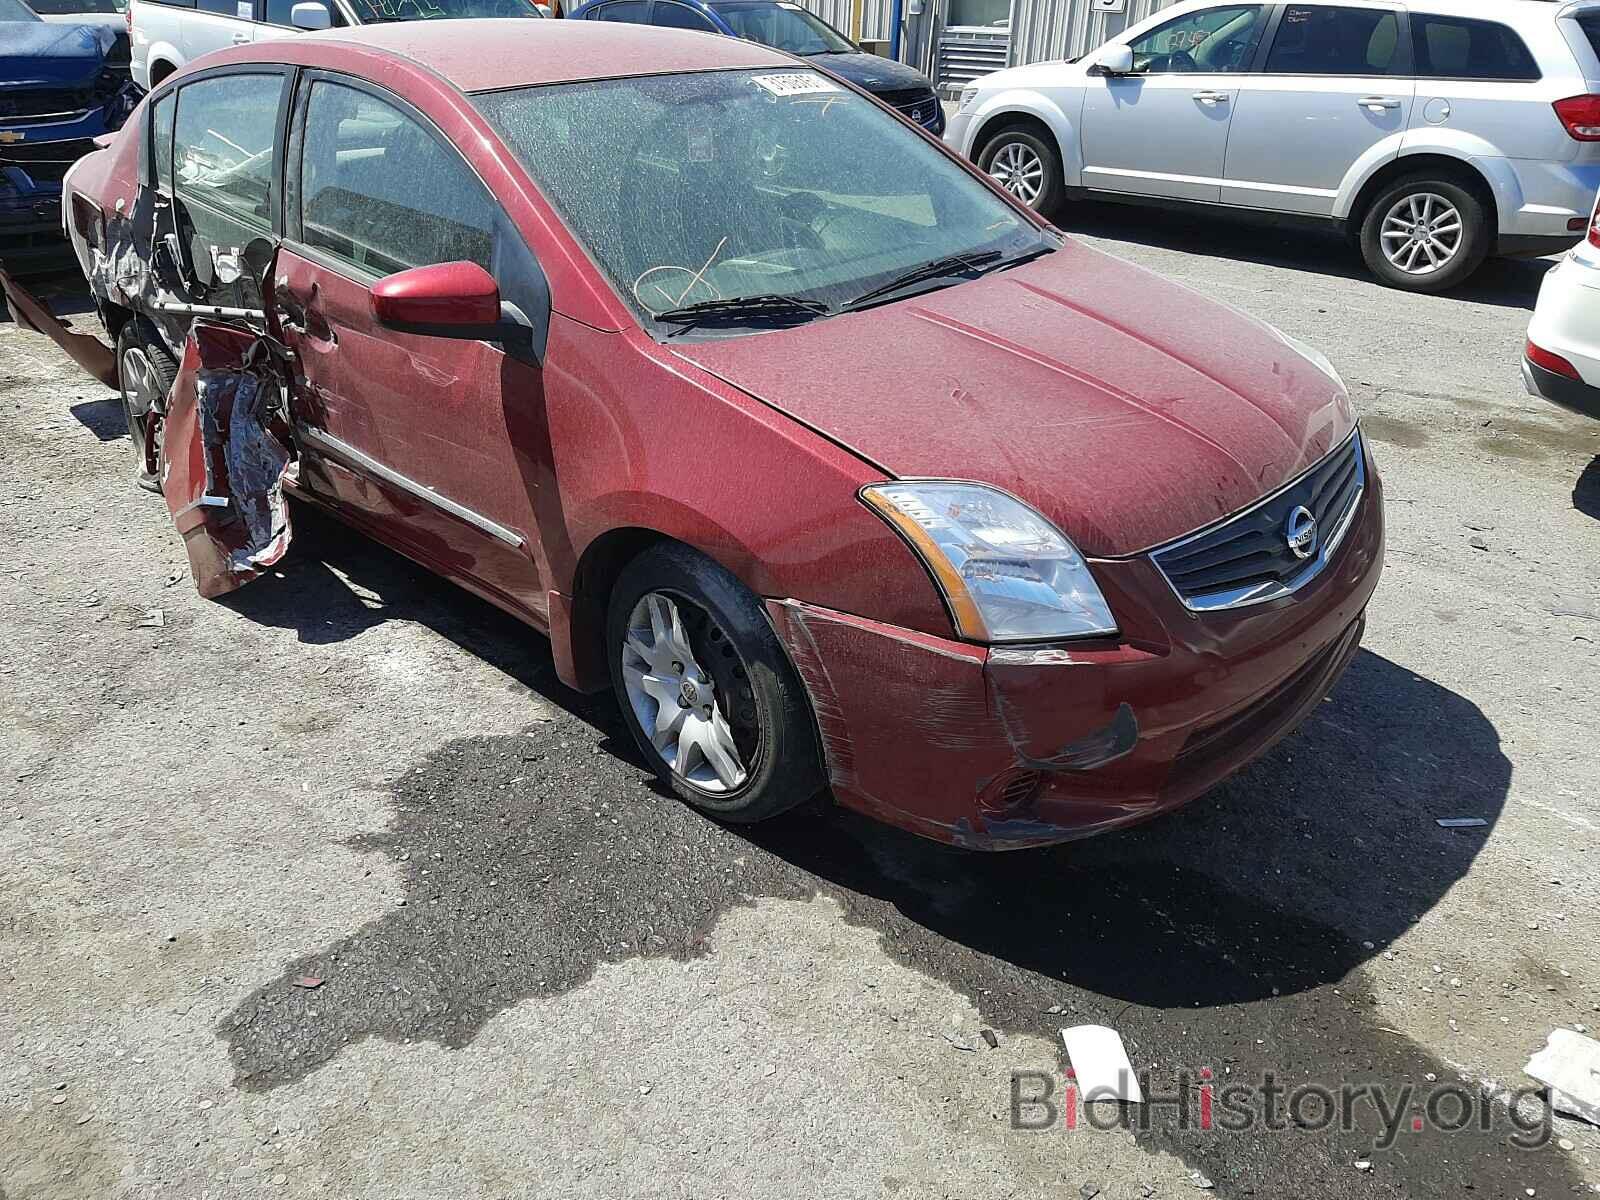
1003	748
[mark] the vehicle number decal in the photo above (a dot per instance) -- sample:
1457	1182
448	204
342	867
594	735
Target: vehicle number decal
797	83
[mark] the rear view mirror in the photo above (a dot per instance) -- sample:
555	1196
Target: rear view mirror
450	300
310	14
1113	60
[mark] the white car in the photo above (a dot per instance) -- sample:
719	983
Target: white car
1562	361
169	34
1432	132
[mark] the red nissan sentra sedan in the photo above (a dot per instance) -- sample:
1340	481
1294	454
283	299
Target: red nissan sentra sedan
838	466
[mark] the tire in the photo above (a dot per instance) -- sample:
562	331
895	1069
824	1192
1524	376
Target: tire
754	693
1009	158
1411	205
145	372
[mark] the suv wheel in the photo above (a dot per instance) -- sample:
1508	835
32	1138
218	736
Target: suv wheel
1425	234
706	689
1026	165
145	372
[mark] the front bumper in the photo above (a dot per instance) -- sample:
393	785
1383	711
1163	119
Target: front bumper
1005	748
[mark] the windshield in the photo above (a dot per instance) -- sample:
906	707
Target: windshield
786	27
15	10
63	8
375	12
717	186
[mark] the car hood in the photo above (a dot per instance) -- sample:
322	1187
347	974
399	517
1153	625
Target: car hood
872	72
42	54
1127	409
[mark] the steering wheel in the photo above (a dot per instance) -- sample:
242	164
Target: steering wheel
1181	60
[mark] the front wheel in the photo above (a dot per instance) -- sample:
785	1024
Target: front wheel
706	688
145	372
1425	234
1026	165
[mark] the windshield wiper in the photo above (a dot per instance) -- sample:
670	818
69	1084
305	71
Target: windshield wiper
967	266
771	307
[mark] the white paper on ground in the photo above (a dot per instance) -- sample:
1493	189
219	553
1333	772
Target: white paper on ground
1100	1064
1569	1065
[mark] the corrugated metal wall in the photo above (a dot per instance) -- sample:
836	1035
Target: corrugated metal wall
1049	29
874	16
1040	29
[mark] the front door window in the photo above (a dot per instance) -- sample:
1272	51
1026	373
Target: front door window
1212	41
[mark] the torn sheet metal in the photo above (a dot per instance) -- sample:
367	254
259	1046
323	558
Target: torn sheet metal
89	352
227	457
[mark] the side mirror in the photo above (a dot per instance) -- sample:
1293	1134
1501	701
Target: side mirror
310	14
450	300
1113	60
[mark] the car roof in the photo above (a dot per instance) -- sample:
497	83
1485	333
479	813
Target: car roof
478	55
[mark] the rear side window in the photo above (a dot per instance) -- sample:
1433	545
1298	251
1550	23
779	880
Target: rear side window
1456	48
280	12
379	191
243	9
1589	22
680	16
1323	40
623	10
225	152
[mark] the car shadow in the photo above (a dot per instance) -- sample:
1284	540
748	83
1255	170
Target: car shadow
1334	830
1586	491
103	418
1232	935
1502	282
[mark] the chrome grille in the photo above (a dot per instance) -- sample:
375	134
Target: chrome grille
1247	558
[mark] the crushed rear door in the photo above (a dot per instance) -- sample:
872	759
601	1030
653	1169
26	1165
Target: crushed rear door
227	454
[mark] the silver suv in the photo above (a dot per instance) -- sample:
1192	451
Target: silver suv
1433	133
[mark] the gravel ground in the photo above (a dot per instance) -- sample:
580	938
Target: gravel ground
543	976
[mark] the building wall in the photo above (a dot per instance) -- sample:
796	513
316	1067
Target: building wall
874	15
1040	29
1052	29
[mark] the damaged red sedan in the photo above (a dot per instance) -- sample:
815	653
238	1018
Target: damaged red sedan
839	467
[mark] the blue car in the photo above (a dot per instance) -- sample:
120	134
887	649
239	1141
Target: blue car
61	86
790	28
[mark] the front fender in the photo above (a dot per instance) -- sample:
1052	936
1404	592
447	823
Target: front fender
1013	102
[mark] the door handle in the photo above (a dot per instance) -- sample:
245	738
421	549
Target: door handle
291	309
1378	103
1212	97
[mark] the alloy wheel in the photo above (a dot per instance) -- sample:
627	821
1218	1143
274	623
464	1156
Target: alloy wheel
1422	233
682	706
141	396
1019	170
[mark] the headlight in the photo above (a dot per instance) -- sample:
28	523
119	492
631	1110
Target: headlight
1008	574
969	97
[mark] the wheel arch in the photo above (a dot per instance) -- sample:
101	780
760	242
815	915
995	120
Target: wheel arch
1022	110
1459	170
578	612
163	63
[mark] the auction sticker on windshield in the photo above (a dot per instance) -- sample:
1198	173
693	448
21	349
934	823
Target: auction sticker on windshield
797	83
